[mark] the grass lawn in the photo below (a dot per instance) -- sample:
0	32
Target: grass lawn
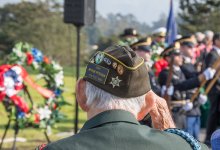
35	136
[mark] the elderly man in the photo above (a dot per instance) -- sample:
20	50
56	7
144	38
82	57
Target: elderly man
114	93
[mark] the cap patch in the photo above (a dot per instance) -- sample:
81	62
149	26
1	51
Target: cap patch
107	61
115	82
114	65
120	69
96	73
99	58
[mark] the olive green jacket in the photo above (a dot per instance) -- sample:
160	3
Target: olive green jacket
119	130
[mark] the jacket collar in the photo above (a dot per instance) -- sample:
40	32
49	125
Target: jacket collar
109	117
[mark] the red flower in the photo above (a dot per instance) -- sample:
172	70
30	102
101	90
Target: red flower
159	66
54	106
46	60
30	58
37	118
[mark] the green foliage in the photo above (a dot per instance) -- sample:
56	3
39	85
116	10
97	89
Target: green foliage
39	23
199	15
107	29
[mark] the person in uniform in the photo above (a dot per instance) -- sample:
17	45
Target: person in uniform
128	37
179	83
142	48
214	94
189	70
114	93
158	42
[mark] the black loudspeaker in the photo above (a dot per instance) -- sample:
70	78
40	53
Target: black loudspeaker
79	12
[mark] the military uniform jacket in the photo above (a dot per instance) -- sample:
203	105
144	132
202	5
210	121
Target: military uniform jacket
119	130
189	71
209	61
181	85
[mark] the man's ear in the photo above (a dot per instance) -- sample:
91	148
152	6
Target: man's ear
81	95
149	104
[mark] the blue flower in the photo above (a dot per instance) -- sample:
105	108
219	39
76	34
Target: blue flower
12	74
20	114
38	56
58	92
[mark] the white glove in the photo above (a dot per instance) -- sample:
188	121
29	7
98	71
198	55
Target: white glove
202	99
209	73
169	91
188	106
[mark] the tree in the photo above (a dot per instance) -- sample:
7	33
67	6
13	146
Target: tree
39	23
199	15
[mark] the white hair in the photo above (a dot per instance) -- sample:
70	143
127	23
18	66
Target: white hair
199	36
209	34
99	99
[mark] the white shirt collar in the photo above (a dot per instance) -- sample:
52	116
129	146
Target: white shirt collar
187	59
176	68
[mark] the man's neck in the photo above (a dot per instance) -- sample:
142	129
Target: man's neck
93	112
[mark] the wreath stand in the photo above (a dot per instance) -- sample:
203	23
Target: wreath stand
16	127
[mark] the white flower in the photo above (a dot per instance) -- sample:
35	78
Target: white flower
59	78
44	113
35	64
9	86
17	52
20	79
10	92
16	69
9	82
56	66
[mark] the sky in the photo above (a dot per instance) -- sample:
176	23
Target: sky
144	10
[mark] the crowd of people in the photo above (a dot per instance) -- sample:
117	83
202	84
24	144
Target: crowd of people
185	64
124	84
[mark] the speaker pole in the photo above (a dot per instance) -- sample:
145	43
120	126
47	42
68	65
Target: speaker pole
77	77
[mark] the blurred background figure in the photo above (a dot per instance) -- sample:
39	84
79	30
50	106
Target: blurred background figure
214	94
142	48
158	42
199	37
215	140
200	50
128	37
208	40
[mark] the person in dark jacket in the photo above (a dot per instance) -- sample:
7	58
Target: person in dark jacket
143	49
189	70
214	94
180	84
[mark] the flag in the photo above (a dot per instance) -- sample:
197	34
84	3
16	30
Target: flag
171	26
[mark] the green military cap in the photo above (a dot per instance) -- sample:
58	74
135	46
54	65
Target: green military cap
142	45
119	71
188	40
172	49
